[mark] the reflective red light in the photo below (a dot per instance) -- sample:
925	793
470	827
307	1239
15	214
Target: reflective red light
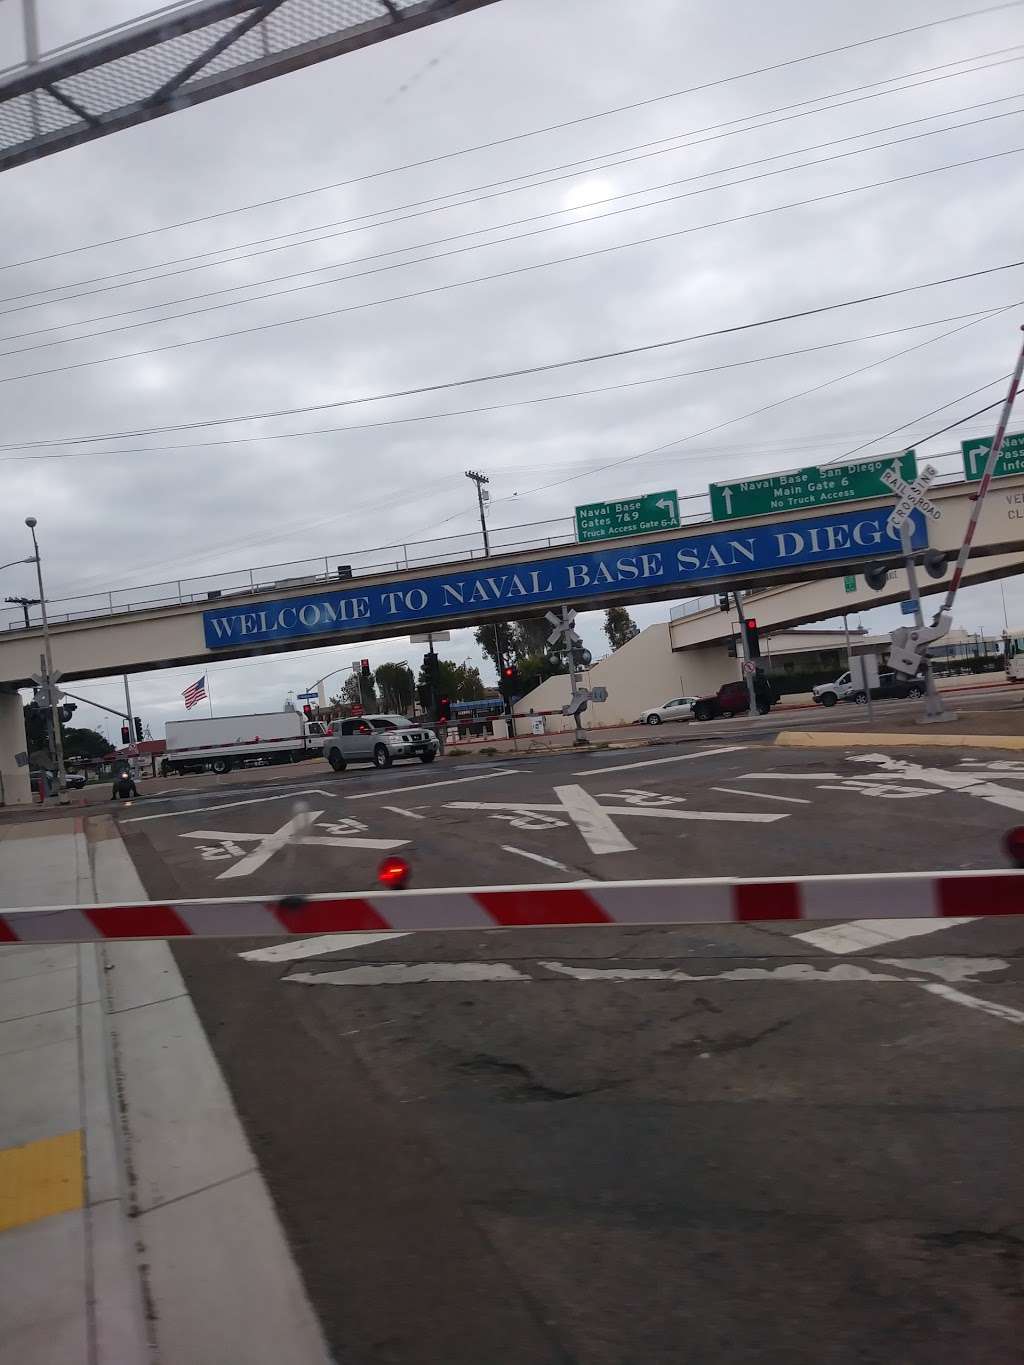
393	873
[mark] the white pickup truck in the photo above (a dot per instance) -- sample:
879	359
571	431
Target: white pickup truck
225	742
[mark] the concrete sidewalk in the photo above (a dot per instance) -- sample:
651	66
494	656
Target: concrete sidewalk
135	1226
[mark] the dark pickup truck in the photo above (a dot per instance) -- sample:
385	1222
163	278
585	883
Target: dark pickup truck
889	685
732	699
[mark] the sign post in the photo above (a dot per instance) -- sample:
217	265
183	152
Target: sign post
814	486
906	656
563	633
627	516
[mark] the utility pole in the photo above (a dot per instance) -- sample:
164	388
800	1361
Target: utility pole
51	686
24	603
481	498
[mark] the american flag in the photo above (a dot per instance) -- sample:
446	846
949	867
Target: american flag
194	693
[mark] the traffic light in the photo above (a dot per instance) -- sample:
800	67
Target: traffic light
138	729
126	735
444	710
753	649
723	602
67	711
364	667
508	683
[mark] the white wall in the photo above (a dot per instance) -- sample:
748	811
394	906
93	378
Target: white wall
644	672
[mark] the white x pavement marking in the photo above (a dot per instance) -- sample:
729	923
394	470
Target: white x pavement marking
594	822
291	833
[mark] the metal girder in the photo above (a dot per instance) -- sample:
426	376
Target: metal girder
183	55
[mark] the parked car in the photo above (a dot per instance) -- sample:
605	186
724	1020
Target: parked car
890	685
679	708
827	694
378	740
75	779
732	699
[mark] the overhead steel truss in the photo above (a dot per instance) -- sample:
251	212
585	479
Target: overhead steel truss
182	55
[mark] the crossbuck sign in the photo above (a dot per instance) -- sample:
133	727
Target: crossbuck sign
911	496
563	628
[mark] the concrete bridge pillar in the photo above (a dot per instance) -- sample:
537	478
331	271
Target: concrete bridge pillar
15	787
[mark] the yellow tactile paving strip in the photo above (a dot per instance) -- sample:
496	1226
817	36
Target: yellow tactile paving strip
40	1179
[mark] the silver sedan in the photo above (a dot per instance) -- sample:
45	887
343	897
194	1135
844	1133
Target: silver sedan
679	708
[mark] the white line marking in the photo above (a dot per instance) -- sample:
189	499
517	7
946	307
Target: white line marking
1005	1012
426	786
401	810
734	791
270	844
599	831
868	933
948	968
653	762
314	947
939	777
789	971
788	777
537	857
225	805
411	973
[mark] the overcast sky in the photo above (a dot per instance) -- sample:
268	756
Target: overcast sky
167	507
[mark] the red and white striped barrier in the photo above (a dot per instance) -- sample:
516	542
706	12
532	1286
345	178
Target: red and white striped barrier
907	895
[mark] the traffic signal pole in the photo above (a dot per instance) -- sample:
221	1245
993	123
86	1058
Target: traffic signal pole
748	673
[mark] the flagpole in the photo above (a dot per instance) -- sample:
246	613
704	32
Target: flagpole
209	694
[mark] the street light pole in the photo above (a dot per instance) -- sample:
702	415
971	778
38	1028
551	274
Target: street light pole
58	738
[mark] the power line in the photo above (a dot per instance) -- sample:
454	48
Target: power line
931	413
979	314
504	274
523	371
516	222
817	388
535	132
571	169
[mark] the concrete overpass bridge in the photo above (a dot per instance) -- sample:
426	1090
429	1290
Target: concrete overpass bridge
757	552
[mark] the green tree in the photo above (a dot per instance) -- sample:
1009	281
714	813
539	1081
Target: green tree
357	691
485	638
457	682
395	685
85	743
620	627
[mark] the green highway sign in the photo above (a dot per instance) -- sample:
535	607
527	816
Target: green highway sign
627	516
815	486
850	583
1011	457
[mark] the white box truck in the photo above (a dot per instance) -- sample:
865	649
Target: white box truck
225	742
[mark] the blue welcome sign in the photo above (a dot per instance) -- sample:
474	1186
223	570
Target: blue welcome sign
576	576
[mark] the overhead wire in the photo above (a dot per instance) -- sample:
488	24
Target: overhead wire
519	372
963	16
515	222
510	273
757	412
584	166
179	448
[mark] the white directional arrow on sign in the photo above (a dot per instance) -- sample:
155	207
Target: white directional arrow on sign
665	504
727	499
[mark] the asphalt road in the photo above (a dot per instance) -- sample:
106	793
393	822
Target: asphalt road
771	1143
688	809
614	1147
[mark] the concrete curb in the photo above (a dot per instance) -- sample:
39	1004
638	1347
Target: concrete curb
201	1251
835	739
